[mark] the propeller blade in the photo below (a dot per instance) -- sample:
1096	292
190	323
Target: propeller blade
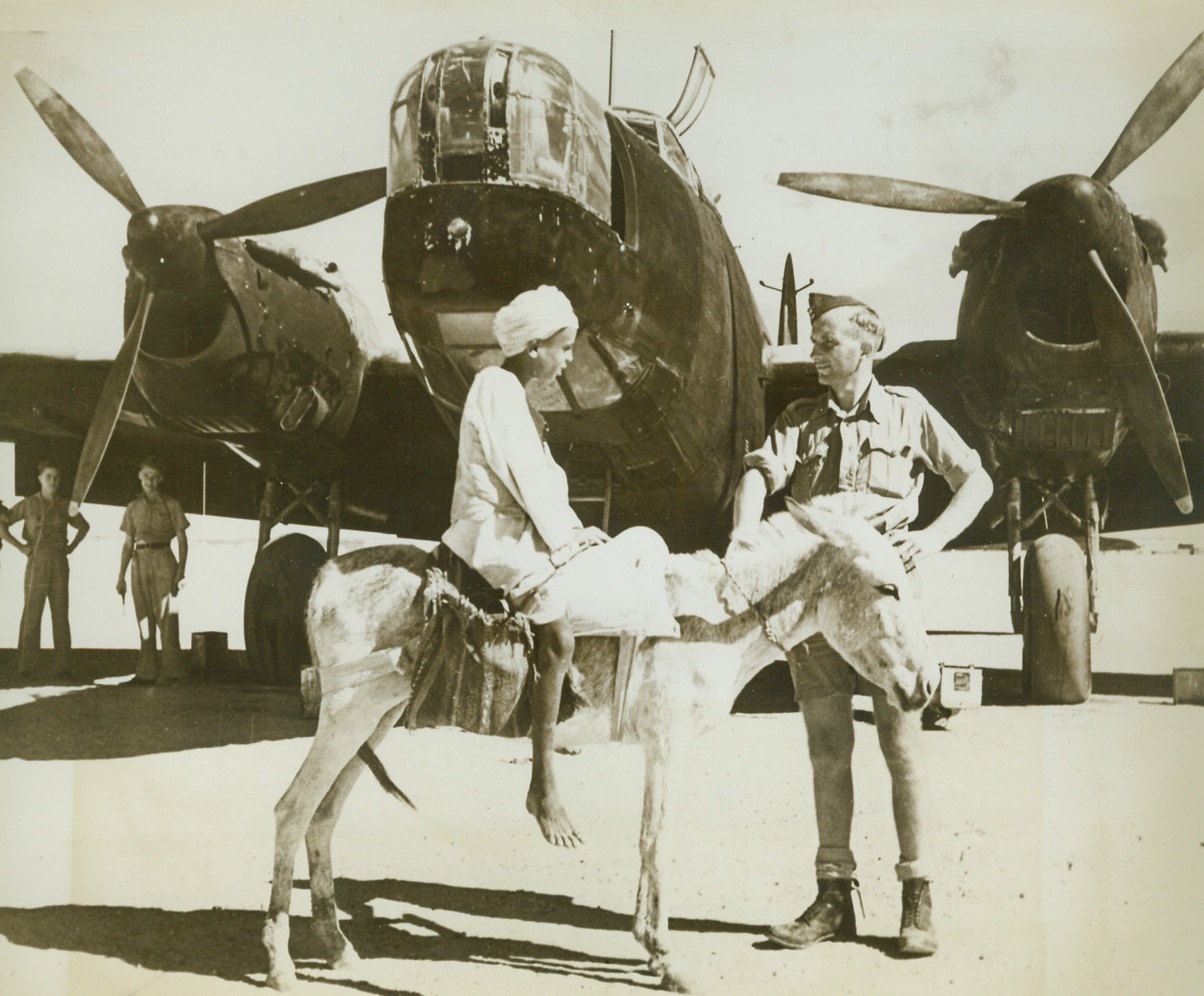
1129	361
79	139
112	397
907	195
301	206
1163	105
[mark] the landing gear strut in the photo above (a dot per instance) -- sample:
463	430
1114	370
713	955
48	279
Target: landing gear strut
280	581
1053	597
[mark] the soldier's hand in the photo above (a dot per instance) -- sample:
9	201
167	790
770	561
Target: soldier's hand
913	547
121	587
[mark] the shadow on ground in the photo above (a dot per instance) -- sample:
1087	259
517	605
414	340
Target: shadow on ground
511	904
104	721
225	944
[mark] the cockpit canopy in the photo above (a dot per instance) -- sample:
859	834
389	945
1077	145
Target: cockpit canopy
660	134
494	112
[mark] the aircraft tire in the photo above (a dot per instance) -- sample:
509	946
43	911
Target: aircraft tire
1056	663
274	608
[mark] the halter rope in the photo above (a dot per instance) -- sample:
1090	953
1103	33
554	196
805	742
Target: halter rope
766	627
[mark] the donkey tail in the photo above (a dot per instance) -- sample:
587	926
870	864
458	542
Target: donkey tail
377	767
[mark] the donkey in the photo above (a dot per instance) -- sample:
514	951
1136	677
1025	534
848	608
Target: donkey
807	571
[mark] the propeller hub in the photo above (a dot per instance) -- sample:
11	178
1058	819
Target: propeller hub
1077	214
162	244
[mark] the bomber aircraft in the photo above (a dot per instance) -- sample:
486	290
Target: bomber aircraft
503	174
1057	360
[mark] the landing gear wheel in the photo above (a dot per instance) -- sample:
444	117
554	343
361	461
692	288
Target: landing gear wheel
1056	666
274	609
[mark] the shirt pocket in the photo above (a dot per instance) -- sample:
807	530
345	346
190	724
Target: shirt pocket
889	465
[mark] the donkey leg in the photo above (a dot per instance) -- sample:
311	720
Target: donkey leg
662	755
341	730
339	952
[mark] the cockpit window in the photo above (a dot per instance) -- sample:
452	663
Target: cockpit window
558	133
658	133
495	113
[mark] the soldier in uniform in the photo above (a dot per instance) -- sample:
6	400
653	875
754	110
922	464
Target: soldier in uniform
151	522
45	546
870	444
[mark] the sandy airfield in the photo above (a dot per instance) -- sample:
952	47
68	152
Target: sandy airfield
1071	842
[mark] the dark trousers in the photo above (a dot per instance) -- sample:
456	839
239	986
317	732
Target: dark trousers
46	574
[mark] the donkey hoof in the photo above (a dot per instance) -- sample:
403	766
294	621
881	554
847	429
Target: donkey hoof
676	982
347	958
282	981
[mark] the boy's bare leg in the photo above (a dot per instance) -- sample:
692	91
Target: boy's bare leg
554	645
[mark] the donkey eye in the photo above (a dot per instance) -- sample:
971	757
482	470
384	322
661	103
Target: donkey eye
888	589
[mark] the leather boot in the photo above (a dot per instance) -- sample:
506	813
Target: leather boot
830	917
916	934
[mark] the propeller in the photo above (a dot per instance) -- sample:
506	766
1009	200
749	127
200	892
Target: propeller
908	195
176	252
1162	107
1137	382
300	206
112	397
79	139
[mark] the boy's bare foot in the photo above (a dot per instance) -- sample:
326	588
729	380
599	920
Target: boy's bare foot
553	821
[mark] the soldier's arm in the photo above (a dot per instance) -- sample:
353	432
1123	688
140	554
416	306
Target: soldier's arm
127	551
182	557
81	530
9	517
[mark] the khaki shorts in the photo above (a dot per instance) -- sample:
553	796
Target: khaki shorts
817	670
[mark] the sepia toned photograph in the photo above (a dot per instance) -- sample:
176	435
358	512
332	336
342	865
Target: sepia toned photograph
601	498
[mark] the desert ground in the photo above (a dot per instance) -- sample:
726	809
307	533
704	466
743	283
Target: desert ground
135	853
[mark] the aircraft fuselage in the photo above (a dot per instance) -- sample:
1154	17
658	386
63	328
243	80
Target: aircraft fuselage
505	175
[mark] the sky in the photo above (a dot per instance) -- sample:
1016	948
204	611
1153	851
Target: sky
221	102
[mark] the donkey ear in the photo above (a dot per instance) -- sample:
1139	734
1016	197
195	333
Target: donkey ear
824	524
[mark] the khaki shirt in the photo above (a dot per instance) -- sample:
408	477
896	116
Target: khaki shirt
153	521
45	520
876	454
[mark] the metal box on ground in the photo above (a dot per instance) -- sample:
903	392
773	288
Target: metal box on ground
961	687
209	652
1188	685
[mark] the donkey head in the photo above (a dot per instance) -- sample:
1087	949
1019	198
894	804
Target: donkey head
865	608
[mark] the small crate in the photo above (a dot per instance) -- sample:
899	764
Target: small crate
1188	685
961	686
209	654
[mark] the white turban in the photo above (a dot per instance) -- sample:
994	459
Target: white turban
533	316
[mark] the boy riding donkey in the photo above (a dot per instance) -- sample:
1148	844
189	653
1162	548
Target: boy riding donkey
511	522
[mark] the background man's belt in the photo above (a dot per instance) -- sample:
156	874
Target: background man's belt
152	546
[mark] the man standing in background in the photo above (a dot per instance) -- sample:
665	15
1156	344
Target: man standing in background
46	517
151	522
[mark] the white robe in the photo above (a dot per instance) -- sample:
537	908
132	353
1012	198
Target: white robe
510	511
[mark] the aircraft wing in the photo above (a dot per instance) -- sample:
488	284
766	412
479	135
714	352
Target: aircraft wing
398	457
46	404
